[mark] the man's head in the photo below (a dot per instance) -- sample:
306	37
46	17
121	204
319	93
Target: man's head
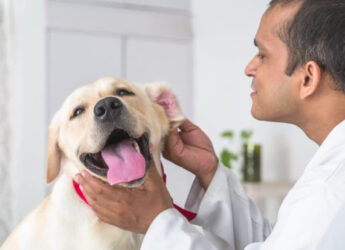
316	33
301	45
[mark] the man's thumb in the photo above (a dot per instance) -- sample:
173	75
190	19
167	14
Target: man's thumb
171	141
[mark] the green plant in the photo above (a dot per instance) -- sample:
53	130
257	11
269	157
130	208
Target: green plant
246	134
227	156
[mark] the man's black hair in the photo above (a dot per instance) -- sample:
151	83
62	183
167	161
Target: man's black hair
316	33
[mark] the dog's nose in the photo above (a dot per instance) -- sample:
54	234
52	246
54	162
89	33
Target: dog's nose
107	109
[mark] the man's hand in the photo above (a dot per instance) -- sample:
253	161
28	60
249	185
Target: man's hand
131	209
191	149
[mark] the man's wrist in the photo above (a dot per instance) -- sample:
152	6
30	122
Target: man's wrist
206	177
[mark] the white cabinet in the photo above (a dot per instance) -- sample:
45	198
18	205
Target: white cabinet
87	41
75	59
162	60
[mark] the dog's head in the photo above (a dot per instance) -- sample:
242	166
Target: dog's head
107	127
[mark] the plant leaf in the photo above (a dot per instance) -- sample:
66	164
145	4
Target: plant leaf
246	134
228	134
227	157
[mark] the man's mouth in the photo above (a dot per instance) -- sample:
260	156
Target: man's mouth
253	87
123	159
254	91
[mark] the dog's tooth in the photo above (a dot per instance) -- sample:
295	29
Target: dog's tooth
135	145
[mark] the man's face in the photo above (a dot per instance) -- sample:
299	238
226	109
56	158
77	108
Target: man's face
275	94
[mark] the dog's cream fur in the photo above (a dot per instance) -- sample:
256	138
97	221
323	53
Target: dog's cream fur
63	221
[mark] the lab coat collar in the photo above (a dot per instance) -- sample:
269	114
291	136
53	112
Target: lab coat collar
334	142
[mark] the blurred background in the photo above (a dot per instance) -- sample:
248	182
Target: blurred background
50	47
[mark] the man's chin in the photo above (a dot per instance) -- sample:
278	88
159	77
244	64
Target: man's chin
256	114
261	116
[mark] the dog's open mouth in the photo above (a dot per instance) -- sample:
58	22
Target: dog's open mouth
122	160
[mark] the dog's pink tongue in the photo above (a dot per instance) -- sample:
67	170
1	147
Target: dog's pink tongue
124	162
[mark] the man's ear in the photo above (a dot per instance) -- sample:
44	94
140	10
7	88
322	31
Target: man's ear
53	154
312	77
162	94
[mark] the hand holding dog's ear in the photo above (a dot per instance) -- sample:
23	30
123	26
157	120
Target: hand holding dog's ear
131	209
191	149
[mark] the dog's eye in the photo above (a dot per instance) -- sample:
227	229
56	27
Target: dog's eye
77	111
123	92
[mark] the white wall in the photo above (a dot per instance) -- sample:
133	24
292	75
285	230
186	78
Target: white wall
224	33
28	107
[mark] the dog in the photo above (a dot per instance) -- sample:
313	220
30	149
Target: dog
97	125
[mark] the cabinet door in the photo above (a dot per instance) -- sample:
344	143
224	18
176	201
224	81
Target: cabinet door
169	61
75	59
162	60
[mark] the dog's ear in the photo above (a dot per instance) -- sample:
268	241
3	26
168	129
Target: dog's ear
53	153
163	95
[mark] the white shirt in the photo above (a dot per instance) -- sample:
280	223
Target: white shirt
312	216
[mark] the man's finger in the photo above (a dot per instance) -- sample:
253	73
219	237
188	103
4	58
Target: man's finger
153	175
105	212
173	145
96	188
188	126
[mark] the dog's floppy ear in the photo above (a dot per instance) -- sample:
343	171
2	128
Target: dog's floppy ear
163	95
53	153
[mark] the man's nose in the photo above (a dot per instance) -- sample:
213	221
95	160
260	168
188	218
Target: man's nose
250	68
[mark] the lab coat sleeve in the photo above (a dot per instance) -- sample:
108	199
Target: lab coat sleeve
227	219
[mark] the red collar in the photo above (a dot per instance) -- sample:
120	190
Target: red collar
188	214
79	192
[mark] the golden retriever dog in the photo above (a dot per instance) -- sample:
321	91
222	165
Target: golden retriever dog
105	128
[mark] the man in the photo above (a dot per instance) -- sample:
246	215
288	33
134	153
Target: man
299	78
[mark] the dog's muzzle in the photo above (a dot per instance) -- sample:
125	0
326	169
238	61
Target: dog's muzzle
123	157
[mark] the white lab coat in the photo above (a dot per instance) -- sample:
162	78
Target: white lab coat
312	216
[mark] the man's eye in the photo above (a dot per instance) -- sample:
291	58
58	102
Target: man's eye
261	56
77	112
123	92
